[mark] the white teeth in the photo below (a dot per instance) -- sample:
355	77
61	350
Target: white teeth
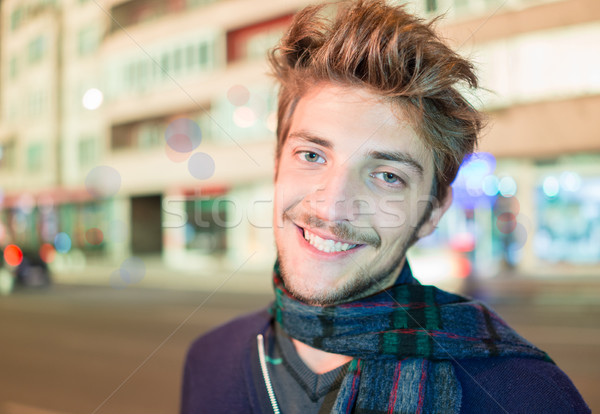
326	245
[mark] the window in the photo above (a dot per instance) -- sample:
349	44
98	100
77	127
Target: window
140	134
253	41
177	58
15	18
36	103
190	56
148	135
206	228
35	157
88	40
122	137
7	155
141	74
84	225
202	54
568	218
36	49
87	153
430	5
165	64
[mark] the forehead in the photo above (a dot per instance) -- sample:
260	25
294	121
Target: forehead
356	122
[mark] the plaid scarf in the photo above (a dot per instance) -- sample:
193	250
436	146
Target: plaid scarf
404	341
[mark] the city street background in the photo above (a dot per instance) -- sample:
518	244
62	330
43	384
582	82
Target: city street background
75	349
137	142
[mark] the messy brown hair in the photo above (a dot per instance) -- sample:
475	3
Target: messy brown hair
392	53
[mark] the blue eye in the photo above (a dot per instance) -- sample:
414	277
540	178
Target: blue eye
388	177
312	156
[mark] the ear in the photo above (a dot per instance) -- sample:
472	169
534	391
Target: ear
438	211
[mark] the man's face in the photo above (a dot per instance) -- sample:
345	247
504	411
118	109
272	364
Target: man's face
351	194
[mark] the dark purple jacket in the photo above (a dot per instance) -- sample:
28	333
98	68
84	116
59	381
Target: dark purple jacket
222	375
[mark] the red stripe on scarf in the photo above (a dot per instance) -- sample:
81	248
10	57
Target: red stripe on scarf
394	392
354	389
421	384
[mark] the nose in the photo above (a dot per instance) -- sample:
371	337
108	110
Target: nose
336	197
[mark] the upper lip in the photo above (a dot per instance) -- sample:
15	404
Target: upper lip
327	236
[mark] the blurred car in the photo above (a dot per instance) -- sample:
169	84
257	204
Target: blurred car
32	271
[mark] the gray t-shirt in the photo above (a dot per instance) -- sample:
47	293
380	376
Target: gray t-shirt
297	388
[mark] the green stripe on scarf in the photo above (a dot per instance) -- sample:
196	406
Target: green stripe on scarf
403	341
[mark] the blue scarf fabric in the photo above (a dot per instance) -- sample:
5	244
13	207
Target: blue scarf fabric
405	341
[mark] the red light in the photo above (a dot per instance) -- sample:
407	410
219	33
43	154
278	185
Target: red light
463	242
506	222
13	255
47	252
464	267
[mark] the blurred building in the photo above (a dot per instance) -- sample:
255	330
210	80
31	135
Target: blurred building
532	207
145	128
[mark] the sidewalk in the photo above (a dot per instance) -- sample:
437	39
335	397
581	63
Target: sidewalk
504	288
155	274
573	290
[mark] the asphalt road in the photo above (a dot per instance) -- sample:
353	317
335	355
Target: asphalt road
71	350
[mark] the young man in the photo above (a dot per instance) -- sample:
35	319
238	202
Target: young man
371	133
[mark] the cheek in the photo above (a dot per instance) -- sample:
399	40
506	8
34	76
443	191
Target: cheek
393	213
399	216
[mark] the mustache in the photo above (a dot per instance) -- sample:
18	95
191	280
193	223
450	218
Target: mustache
342	230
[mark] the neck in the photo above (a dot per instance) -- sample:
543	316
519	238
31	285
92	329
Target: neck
319	361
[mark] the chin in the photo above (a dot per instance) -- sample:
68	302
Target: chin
315	297
322	292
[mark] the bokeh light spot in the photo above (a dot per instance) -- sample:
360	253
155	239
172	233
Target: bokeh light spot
507	186
92	99
489	185
463	242
464	267
507	205
551	186
47	252
272	122
13	255
183	135
570	181
201	166
176	156
94	236
244	117
62	242
506	222
180	143
103	181
133	270
238	95
519	237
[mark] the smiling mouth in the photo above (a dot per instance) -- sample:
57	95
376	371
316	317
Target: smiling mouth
326	245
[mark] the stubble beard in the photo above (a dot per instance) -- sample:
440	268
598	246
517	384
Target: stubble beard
363	283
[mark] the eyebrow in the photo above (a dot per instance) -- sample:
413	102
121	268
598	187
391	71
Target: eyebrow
307	136
400	157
